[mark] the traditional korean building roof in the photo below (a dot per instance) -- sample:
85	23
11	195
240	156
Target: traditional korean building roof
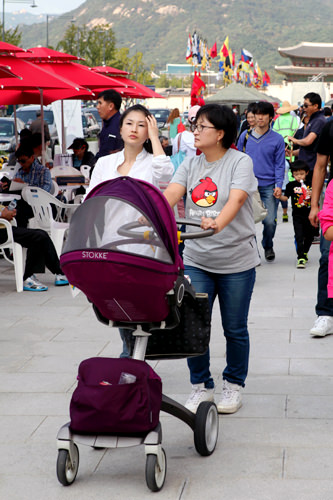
308	50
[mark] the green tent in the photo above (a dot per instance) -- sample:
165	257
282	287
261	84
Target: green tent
238	95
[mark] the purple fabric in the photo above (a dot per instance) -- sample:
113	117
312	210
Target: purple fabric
123	287
150	201
101	404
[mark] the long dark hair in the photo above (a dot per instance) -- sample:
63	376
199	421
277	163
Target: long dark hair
138	107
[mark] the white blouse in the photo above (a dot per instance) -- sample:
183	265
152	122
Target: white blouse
157	170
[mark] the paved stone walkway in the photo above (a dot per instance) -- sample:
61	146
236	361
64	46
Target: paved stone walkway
278	446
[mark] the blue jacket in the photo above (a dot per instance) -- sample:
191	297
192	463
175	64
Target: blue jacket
268	156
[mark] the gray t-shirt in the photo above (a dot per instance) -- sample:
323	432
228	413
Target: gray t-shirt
234	249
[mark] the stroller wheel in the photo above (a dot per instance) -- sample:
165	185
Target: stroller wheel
206	428
156	472
67	468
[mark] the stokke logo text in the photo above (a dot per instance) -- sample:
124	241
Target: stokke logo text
94	255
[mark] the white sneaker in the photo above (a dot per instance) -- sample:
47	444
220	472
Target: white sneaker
322	326
198	395
231	398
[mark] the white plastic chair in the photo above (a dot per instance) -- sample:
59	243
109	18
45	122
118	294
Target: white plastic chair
85	170
40	202
18	254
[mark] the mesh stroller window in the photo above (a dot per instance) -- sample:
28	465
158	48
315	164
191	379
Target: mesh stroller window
107	223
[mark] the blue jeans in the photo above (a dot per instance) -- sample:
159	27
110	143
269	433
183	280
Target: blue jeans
234	291
271	203
324	306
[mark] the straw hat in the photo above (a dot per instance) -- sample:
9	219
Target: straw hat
286	107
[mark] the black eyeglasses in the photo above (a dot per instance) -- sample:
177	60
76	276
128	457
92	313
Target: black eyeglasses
307	105
198	127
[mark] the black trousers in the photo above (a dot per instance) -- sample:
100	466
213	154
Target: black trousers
304	233
41	252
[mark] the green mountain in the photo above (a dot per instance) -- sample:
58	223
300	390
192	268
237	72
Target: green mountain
160	29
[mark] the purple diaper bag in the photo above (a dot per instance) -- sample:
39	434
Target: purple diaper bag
115	395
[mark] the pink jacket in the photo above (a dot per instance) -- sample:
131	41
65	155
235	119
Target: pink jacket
326	220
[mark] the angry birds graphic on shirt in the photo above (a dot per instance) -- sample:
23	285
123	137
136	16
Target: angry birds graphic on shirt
205	194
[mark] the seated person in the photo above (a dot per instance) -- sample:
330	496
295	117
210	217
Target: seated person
41	253
24	134
32	173
165	145
81	155
35	141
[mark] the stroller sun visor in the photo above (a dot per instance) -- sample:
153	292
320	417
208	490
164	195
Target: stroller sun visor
122	250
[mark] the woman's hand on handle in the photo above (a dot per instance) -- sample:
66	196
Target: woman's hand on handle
209	223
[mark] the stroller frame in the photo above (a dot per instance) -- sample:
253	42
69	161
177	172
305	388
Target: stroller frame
204	422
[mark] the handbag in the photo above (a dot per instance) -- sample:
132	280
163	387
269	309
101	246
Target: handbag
179	157
189	338
259	209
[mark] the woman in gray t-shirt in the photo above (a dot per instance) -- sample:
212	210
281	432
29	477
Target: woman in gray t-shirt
219	185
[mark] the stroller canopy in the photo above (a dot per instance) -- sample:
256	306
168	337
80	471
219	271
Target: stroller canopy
122	250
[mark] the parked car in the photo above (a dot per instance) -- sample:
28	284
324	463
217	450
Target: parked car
28	114
94	112
89	125
161	116
7	133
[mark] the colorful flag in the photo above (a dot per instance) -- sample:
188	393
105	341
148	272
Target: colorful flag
213	51
266	78
189	49
224	52
246	56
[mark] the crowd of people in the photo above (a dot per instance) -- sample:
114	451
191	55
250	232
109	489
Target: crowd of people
283	154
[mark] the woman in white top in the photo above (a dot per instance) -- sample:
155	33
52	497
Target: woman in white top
142	157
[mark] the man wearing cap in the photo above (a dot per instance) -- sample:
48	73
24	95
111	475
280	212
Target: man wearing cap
81	155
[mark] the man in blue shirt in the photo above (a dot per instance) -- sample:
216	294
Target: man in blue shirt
108	106
267	150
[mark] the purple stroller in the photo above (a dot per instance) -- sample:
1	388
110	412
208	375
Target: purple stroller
122	253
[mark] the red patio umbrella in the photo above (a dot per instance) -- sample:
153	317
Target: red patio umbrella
46	54
33	77
142	90
5	72
109	70
79	75
8	48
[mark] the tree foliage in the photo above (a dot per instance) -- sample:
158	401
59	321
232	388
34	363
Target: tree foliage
96	45
13	35
133	64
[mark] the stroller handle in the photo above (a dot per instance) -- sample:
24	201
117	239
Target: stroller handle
204	233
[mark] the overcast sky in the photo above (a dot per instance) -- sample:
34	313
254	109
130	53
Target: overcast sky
44	6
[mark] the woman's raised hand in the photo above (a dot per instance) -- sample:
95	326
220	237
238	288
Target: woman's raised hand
152	127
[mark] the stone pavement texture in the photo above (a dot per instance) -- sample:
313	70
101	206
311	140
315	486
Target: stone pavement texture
279	445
